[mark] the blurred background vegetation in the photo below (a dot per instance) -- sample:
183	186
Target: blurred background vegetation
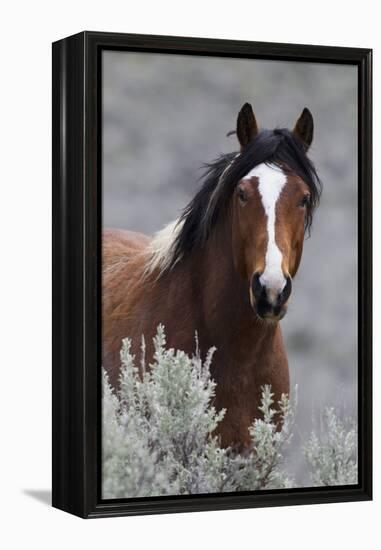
165	115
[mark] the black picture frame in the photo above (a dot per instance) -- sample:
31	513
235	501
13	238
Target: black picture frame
77	143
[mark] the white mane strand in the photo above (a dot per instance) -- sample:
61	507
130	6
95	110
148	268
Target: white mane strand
161	248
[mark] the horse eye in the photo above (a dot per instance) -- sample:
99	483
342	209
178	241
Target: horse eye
305	200
241	195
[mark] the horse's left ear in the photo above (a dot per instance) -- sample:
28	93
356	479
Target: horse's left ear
304	128
247	127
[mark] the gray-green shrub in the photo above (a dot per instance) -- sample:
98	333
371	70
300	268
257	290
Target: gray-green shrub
158	433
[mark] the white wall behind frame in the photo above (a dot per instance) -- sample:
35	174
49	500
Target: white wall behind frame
28	28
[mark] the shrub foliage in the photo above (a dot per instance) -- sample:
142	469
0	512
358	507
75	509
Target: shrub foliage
158	433
332	453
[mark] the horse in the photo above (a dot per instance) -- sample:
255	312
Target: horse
223	269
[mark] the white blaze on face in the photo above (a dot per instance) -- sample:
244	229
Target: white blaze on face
271	181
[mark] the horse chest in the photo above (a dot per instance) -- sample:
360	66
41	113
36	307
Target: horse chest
240	371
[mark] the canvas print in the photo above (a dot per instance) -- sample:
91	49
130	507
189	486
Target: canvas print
229	275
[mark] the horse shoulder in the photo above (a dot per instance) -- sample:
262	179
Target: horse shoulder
123	264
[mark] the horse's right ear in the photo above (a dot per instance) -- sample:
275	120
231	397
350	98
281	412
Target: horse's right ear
247	127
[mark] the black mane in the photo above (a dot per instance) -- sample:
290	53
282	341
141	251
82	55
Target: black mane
279	147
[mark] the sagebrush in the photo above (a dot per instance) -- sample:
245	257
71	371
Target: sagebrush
158	433
331	453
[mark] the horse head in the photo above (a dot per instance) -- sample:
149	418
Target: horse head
271	208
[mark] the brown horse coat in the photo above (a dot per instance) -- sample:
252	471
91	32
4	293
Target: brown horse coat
204	294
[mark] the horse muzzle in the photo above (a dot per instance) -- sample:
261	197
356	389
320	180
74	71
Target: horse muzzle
268	303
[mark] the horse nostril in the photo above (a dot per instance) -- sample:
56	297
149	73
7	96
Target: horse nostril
256	286
285	294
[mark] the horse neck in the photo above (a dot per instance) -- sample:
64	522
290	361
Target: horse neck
223	296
